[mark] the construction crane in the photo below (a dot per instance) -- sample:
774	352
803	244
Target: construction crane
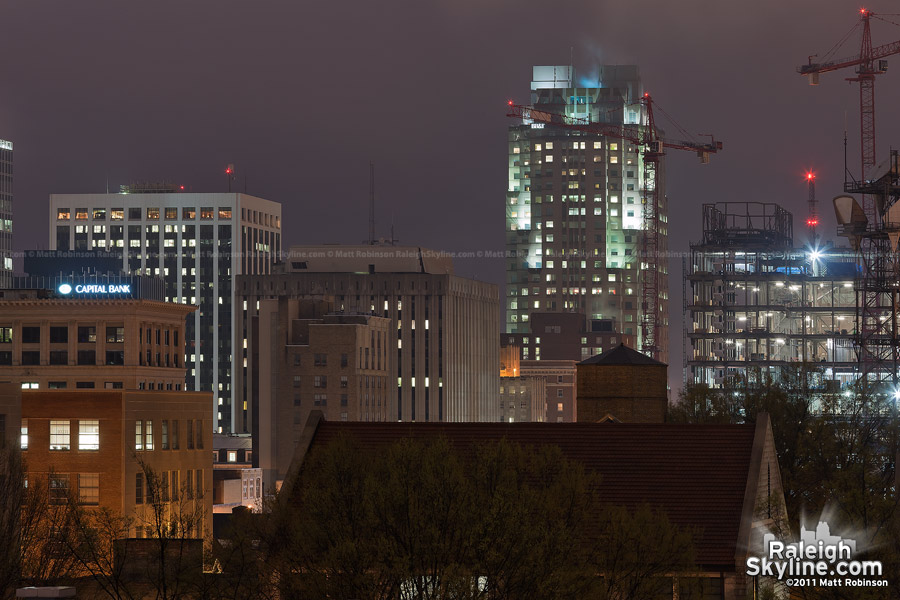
869	63
652	147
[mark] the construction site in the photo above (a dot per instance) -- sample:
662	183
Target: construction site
754	304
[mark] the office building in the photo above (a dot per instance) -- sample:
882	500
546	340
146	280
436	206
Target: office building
110	448
197	243
443	351
92	335
6	212
754	304
574	218
305	356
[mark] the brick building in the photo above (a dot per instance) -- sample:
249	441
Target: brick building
624	385
49	341
102	446
721	482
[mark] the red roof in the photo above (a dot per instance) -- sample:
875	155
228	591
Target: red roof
696	473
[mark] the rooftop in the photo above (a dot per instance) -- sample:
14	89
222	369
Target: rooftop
698	474
621	355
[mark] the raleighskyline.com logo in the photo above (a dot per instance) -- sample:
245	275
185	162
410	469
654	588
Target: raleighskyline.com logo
818	559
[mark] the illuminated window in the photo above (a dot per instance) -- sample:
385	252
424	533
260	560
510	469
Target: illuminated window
99	214
89	435
117	214
207	213
549	145
189	213
81	214
59	435
23	439
153	213
171	213
224	212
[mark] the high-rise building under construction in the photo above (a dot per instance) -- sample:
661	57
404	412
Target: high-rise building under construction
574	217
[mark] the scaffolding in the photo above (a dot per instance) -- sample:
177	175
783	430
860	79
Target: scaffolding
877	284
755	305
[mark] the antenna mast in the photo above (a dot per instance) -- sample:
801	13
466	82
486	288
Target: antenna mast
371	202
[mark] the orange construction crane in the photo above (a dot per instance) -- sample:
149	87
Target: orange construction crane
652	148
869	63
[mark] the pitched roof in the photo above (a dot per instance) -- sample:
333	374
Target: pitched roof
698	474
621	355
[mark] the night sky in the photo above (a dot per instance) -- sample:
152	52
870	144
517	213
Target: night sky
300	96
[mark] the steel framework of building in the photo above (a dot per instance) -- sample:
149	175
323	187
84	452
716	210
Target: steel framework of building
754	304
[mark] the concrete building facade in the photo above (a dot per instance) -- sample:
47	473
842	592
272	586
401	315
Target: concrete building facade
198	243
307	357
6	212
49	341
574	217
443	347
754	304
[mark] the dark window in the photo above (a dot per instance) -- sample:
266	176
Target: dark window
190	434
87	335
114	385
5	358
57	385
344	360
115	357
59	335
31	357
59	357
200	434
31	335
115	335
134	213
84	385
87	357
138	488
321	360
174	435
343	399
59	488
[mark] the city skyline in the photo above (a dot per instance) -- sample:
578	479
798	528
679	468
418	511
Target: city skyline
256	91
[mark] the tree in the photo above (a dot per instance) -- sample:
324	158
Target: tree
12	496
425	521
837	453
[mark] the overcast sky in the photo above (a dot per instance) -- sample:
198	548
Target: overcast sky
300	96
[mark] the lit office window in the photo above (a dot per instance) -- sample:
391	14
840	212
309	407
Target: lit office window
89	435
59	435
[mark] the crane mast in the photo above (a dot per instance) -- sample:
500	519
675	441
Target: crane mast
652	148
869	63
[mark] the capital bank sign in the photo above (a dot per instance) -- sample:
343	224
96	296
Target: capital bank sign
94	288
